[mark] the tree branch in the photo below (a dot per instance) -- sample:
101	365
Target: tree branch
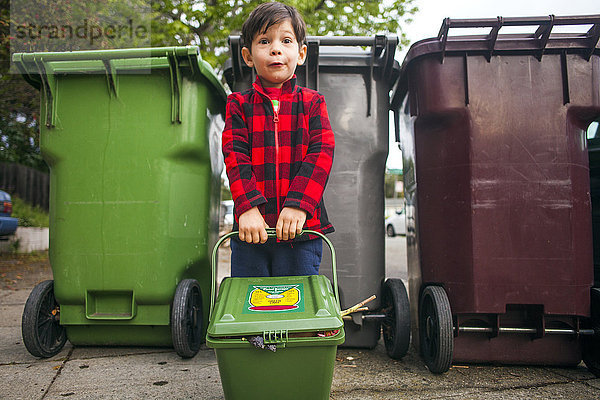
319	6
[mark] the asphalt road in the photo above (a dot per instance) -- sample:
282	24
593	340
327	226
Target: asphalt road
395	257
158	373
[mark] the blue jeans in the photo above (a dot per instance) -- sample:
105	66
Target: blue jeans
275	259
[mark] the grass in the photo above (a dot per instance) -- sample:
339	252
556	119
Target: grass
29	215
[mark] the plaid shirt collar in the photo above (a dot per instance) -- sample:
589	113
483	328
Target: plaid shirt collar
288	86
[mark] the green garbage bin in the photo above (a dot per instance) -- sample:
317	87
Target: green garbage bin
299	316
132	139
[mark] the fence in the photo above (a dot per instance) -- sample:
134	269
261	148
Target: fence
26	183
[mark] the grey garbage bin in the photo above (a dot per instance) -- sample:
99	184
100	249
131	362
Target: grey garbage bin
355	74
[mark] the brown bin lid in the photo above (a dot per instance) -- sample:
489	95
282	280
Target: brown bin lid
541	42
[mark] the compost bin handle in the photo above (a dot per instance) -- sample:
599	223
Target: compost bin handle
271	233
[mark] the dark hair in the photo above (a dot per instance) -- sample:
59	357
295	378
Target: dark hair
268	14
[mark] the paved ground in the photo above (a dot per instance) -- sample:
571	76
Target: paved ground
155	373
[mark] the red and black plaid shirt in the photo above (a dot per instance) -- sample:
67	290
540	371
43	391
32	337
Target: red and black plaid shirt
279	159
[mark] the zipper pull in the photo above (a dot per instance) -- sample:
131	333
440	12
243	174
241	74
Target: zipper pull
275	117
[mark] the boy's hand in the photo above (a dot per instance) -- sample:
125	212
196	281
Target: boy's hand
253	226
291	221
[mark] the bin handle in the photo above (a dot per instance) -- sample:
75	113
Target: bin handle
270	233
540	37
112	54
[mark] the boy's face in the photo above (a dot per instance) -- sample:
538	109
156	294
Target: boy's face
275	54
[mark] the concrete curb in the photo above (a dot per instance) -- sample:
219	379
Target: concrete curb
29	239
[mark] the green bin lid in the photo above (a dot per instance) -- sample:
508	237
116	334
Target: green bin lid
251	306
113	61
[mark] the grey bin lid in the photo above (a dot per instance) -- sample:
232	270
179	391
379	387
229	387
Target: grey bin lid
333	53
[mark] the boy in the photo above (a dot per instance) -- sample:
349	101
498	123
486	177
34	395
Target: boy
278	148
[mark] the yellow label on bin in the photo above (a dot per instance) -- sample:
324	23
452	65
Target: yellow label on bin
274	298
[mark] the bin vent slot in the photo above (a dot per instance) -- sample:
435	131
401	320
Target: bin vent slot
312	66
110	305
176	83
49	91
565	77
594	36
111	77
466	78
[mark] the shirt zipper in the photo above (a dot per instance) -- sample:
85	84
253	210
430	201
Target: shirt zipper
276	123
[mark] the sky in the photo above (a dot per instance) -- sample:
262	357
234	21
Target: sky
427	22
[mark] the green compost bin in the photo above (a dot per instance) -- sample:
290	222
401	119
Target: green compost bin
299	315
132	139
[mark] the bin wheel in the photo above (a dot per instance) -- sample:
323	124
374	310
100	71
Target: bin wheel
591	352
390	231
435	329
43	335
591	344
187	318
396	325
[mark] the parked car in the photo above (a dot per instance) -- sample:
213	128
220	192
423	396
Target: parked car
8	225
396	224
